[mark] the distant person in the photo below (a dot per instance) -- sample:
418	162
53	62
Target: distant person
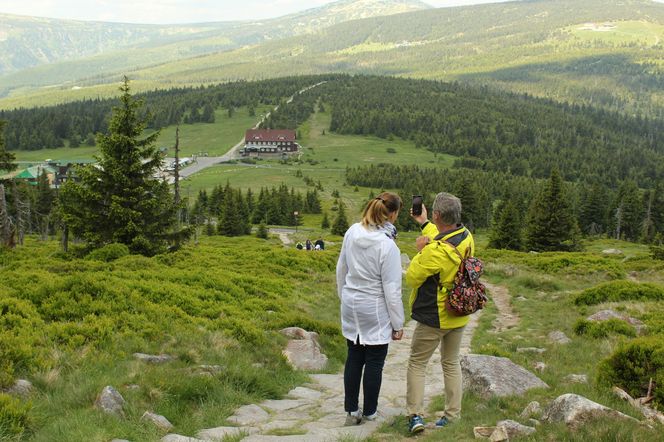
369	286
299	246
319	244
309	245
431	274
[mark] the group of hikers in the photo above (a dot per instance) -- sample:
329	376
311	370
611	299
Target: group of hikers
308	245
369	278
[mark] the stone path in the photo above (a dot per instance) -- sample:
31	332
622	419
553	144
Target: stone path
500	296
314	412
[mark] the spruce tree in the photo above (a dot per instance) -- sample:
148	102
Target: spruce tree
551	224
262	231
118	200
340	223
325	224
45	199
507	231
6	158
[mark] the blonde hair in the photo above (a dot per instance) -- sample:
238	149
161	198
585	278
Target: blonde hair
379	209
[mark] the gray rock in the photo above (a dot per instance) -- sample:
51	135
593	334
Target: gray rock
499	435
158	420
153	359
515	429
532	409
521	298
539	367
282	405
576	378
249	415
221	433
534	422
21	388
305	355
612	252
559	337
490	376
179	438
304	393
299	333
574	410
110	401
530	350
605	315
483	432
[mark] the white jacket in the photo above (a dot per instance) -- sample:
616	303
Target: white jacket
369	286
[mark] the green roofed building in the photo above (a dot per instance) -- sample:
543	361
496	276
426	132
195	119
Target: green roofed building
32	173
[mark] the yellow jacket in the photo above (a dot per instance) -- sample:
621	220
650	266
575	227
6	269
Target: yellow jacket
431	274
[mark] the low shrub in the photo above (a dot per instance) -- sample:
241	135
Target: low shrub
493	350
602	329
109	252
634	364
14	417
657	252
617	291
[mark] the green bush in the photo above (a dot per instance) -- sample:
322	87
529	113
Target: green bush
14	417
602	329
657	252
617	291
109	252
634	364
494	350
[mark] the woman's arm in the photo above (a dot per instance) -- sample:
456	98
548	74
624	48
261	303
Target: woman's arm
391	278
342	268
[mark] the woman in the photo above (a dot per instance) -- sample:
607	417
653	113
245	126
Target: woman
369	286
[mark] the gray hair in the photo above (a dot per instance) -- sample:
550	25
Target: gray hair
448	207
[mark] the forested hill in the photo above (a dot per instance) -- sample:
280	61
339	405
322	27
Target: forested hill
488	130
598	52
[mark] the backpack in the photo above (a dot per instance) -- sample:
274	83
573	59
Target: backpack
467	294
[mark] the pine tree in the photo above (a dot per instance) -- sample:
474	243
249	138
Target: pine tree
262	232
45	199
325	224
593	216
119	200
507	231
6	158
551	224
340	223
628	212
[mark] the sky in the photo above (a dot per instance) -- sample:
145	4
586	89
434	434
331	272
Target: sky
174	11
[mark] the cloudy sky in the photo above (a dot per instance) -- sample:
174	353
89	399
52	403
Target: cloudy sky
174	11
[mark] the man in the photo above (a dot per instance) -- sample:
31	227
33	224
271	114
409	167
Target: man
431	274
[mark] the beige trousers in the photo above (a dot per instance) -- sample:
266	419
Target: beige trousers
424	343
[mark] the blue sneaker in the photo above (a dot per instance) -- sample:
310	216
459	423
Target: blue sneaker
415	424
442	422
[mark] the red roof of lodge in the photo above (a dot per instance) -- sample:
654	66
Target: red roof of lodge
269	135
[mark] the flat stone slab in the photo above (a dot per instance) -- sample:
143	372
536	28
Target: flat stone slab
249	415
179	438
333	382
291	438
490	376
280	425
282	405
219	433
304	393
153	359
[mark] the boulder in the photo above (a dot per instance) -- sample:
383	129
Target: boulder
305	355
248	415
110	401
490	376
612	252
576	378
515	429
158	420
532	409
499	435
153	359
530	350
299	333
605	315
21	388
483	432
574	410
559	337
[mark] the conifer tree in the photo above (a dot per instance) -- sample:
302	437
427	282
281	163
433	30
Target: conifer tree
507	232
628	212
119	200
44	204
593	216
340	223
551	225
325	223
6	158
262	232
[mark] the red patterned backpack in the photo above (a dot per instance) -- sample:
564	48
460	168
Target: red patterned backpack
467	294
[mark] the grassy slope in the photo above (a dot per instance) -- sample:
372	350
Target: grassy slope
480	43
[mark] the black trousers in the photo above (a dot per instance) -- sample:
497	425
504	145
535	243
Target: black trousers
371	359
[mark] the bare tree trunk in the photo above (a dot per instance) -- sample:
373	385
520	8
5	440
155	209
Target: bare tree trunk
176	172
65	238
6	235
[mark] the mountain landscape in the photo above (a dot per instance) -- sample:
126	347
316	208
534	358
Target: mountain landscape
155	283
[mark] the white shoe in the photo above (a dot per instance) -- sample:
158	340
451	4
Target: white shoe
353	418
371	417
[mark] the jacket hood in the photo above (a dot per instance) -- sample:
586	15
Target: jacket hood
365	237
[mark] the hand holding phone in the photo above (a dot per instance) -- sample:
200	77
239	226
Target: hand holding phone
417	205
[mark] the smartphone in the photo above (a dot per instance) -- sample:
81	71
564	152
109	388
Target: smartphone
417	204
